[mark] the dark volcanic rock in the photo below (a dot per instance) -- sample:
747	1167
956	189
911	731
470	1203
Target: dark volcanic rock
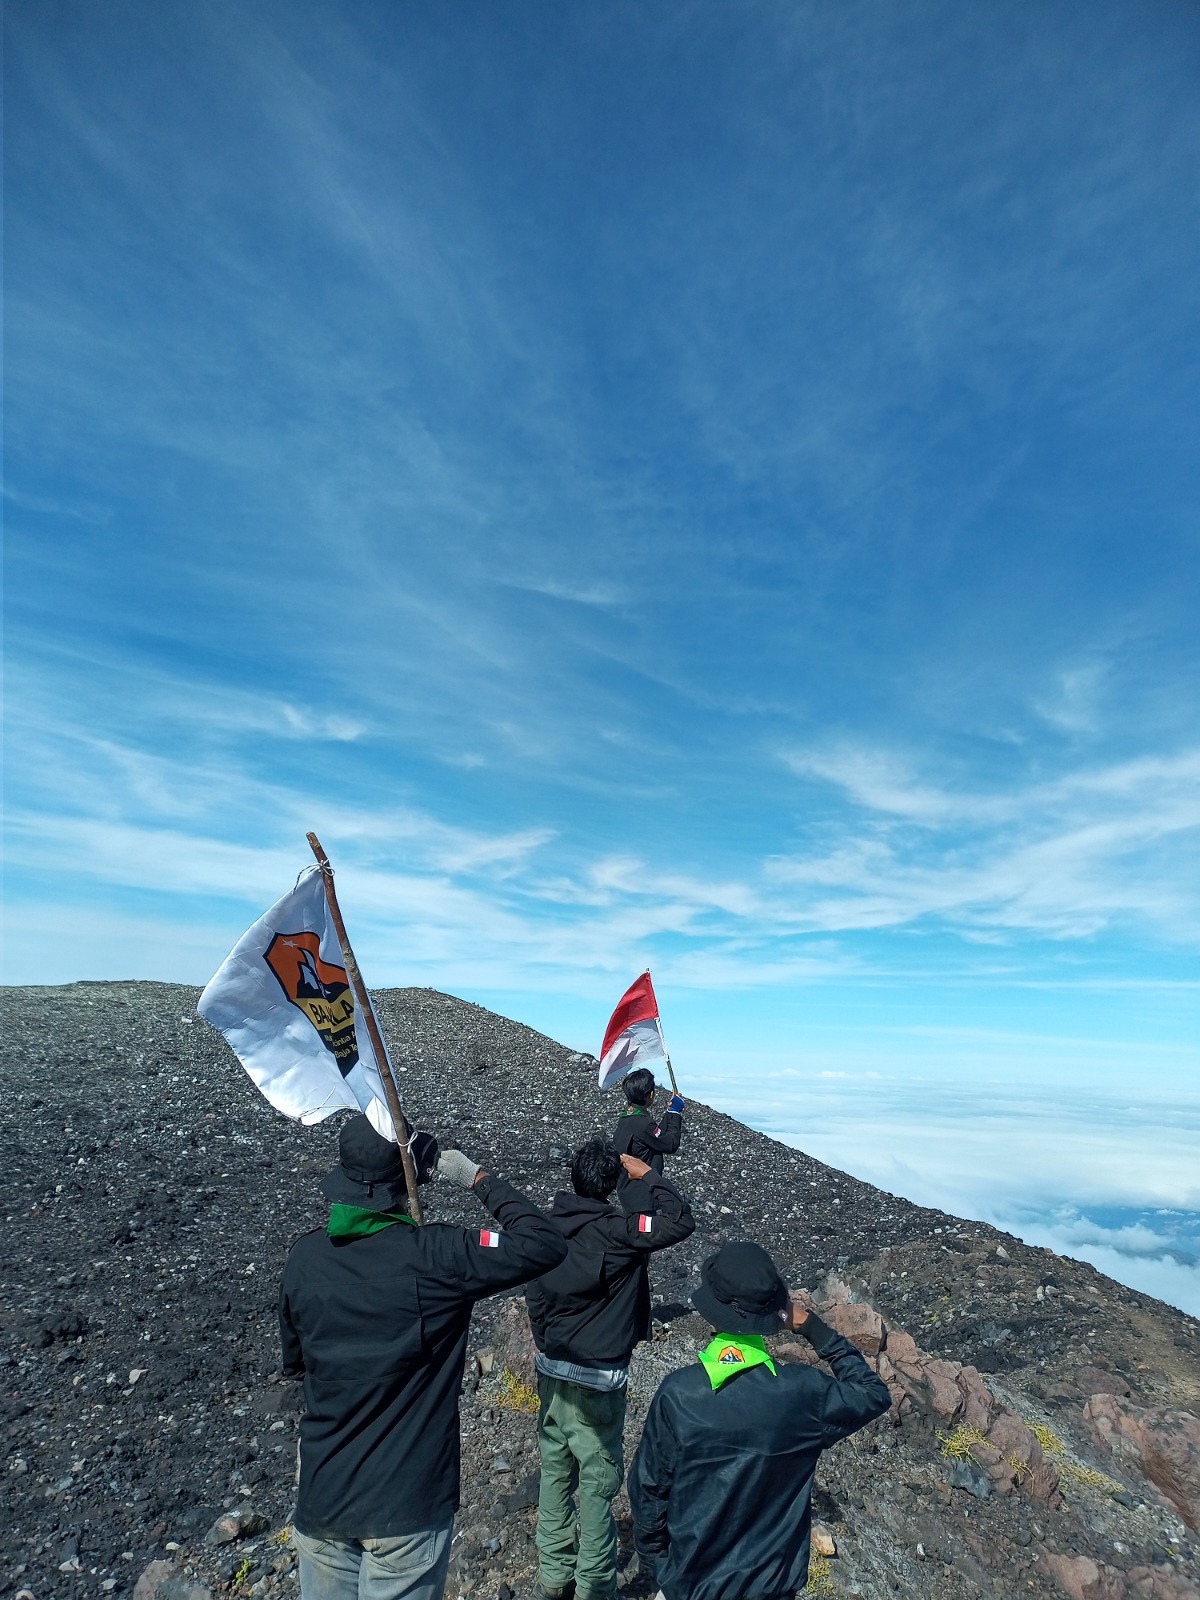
150	1198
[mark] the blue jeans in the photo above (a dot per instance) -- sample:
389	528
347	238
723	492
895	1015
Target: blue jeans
407	1566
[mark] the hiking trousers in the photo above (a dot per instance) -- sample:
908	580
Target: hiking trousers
581	1436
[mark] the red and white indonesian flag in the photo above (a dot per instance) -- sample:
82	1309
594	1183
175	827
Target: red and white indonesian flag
282	999
633	1037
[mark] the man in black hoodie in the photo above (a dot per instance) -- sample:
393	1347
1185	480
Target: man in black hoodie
721	1485
638	1133
587	1315
373	1314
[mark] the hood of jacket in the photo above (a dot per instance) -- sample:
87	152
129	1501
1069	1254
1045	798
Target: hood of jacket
573	1212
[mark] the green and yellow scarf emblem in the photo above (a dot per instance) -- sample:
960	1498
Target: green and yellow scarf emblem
728	1355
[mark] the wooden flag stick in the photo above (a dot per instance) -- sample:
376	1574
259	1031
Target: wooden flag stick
399	1121
666	1052
671	1070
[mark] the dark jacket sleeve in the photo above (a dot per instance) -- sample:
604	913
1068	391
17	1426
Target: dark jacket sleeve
670	1215
650	1479
666	1141
292	1363
856	1395
529	1245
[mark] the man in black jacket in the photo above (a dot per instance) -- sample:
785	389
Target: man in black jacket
373	1313
638	1134
587	1315
721	1484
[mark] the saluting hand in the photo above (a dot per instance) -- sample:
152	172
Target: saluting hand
794	1317
634	1167
458	1168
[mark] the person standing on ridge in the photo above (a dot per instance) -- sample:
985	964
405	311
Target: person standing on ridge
721	1484
373	1314
638	1134
587	1314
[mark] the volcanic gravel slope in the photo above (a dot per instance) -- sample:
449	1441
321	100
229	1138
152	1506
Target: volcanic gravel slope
151	1196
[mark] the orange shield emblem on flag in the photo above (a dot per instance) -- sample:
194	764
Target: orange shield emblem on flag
319	989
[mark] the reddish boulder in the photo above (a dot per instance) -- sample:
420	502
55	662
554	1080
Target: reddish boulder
1023	1457
858	1322
979	1403
1084	1579
931	1384
1081	1578
1095	1380
902	1349
794	1350
163	1580
1159	1583
935	1388
513	1341
1163	1444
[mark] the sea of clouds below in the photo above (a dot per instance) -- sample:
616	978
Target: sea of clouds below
1101	1176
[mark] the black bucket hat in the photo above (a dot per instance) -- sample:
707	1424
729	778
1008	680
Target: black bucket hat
370	1172
740	1290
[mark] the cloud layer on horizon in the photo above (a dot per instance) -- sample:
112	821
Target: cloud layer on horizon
1106	1176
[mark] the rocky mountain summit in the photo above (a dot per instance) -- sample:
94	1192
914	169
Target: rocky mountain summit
1044	1437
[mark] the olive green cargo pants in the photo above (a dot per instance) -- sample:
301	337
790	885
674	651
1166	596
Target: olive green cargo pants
580	1432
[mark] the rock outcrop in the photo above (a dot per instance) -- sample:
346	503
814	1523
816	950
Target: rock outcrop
991	1433
1081	1578
1164	1446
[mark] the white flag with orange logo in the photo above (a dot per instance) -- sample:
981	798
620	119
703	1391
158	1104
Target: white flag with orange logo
283	1000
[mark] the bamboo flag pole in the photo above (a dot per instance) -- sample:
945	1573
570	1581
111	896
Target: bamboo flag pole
663	1037
670	1068
399	1121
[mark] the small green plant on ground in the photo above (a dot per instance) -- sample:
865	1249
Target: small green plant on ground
516	1394
820	1580
958	1444
1051	1444
1055	1450
284	1536
243	1572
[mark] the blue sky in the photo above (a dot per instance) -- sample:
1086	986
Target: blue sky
705	486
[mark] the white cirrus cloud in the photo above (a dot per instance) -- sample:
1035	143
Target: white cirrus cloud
1066	857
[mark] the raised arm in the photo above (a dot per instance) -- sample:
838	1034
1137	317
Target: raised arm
523	1245
662	1216
663	1136
856	1395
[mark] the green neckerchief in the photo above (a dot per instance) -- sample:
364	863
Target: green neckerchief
636	1111
730	1354
356	1222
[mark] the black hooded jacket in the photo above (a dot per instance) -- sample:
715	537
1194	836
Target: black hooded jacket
377	1327
721	1484
648	1138
595	1306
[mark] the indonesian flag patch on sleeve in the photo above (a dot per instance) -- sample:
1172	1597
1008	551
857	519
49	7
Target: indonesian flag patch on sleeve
489	1238
645	1224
